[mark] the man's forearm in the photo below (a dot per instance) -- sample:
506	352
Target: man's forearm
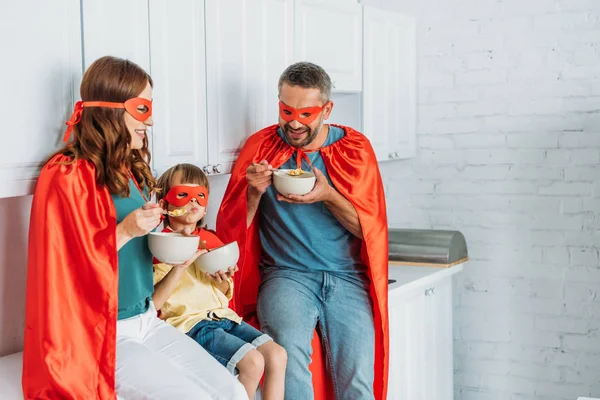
344	212
253	198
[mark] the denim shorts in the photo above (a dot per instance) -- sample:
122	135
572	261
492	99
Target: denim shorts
227	341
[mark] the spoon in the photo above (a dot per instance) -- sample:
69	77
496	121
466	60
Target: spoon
177	212
203	245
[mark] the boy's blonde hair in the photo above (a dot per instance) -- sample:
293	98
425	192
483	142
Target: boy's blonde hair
187	173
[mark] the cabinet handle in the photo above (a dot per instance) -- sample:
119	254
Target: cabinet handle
391	156
208	169
217	169
396	155
430	291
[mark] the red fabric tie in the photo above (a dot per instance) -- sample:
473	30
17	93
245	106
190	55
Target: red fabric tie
75	119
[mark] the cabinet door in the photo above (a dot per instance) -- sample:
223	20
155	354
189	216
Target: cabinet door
41	73
248	45
116	28
390	83
439	340
408	366
329	33
178	71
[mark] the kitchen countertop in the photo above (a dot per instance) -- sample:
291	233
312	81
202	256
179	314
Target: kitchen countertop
410	277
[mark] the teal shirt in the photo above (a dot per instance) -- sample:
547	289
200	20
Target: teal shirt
136	283
307	237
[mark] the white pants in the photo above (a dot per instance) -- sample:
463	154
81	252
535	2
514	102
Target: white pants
156	361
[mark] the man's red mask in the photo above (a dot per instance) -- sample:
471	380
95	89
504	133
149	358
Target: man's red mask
303	115
139	108
181	195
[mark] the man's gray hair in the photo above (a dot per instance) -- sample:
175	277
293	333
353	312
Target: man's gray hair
307	75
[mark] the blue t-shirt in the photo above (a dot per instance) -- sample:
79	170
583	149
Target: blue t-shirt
307	237
136	282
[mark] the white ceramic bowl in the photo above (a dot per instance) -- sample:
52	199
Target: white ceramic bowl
172	248
219	259
289	184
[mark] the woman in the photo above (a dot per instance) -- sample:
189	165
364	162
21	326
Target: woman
91	327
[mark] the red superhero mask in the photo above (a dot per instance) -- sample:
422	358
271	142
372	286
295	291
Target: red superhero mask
303	115
139	108
181	195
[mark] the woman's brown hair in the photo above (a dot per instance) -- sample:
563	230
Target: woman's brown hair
184	173
102	136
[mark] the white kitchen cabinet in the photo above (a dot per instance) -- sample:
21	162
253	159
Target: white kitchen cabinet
40	84
177	67
248	45
389	91
116	28
421	346
328	33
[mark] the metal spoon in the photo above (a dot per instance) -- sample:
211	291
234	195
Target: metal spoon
179	212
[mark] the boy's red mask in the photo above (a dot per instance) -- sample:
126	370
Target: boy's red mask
303	115
181	195
131	106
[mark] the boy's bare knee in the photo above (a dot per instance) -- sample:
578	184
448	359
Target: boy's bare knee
252	364
275	355
279	355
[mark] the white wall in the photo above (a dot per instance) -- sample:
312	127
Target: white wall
509	147
14	214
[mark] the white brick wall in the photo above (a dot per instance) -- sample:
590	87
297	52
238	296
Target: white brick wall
509	154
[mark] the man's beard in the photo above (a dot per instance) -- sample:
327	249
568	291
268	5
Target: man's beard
312	134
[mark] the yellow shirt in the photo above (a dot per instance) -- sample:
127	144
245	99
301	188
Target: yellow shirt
194	297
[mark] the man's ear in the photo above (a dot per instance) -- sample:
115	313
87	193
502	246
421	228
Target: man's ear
162	204
328	108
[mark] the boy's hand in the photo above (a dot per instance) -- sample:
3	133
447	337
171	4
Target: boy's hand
220	279
191	260
220	276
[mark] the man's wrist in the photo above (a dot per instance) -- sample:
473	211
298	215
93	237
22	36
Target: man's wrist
330	196
253	193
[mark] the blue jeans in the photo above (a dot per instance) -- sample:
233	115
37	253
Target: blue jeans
292	303
227	341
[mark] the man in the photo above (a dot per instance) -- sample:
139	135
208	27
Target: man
322	256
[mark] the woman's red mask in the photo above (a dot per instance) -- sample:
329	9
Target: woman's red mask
303	115
181	195
139	108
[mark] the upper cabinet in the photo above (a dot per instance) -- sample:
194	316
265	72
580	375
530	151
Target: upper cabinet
40	83
389	92
178	70
115	28
248	45
215	66
329	33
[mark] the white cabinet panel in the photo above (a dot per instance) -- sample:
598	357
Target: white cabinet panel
390	83
116	28
407	343
438	338
421	341
328	33
40	83
178	71
248	45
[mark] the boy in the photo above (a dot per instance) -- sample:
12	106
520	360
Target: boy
197	303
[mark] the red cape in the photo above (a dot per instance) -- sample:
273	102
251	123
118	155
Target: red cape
72	278
349	161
